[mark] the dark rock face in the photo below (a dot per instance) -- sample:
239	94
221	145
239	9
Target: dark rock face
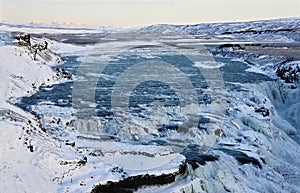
241	157
263	111
23	40
233	47
195	158
35	49
256	31
132	183
71	143
63	74
82	162
288	74
40	46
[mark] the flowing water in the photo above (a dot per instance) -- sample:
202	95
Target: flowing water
152	104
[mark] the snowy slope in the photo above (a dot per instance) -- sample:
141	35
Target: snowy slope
21	169
33	161
280	30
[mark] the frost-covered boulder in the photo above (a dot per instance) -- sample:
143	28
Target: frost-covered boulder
289	71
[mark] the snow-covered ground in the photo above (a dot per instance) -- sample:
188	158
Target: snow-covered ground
34	161
278	30
255	144
21	169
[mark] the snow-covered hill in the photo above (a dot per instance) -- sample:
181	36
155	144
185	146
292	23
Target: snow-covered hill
279	30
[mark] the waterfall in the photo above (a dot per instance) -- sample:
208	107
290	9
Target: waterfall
287	105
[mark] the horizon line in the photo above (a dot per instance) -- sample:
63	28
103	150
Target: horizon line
78	25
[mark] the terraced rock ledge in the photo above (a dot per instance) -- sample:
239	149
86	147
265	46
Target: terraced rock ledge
132	183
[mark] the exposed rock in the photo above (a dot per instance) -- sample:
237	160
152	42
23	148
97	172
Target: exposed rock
195	157
30	147
23	40
230	47
288	73
132	183
263	110
61	73
241	157
71	143
83	161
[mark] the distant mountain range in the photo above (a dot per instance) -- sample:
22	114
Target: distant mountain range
287	27
56	25
281	24
276	30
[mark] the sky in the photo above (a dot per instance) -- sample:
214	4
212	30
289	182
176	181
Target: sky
135	13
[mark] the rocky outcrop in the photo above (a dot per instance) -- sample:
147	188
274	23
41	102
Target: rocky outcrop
287	72
34	48
263	111
195	158
241	157
231	47
274	62
23	40
132	183
63	74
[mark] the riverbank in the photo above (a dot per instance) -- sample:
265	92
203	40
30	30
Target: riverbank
33	160
253	147
28	159
280	61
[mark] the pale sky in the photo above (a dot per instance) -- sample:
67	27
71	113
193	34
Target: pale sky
131	13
